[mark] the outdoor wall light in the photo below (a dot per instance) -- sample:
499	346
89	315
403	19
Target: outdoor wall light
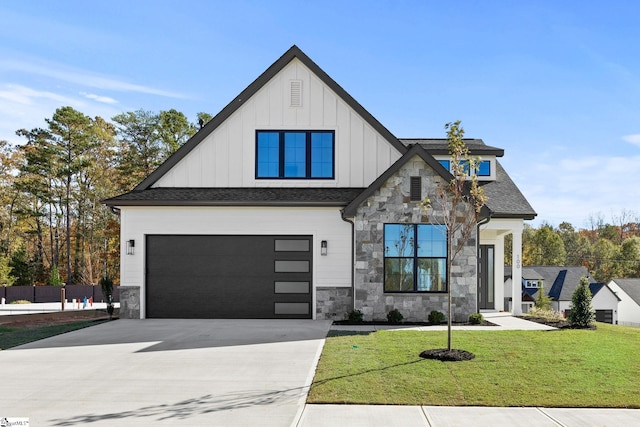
130	245
323	247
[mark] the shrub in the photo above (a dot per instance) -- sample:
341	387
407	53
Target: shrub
436	317
581	314
394	316
545	314
21	301
476	318
54	279
543	301
356	316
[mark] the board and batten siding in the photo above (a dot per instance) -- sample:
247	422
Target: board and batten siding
226	157
332	270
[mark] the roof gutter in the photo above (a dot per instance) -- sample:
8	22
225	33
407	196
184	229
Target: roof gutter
353	258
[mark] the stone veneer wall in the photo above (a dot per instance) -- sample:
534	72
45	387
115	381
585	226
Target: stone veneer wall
333	303
129	302
391	204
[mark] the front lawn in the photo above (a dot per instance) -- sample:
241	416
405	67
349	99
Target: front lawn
561	368
12	336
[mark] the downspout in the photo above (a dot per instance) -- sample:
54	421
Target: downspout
482	222
353	257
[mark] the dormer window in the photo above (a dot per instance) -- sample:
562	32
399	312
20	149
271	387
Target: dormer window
483	169
295	154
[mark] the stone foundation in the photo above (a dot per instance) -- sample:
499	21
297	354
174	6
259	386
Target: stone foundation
333	303
129	302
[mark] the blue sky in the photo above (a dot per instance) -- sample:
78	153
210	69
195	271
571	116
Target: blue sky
554	83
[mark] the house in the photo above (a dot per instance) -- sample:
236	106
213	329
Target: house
628	291
559	283
293	202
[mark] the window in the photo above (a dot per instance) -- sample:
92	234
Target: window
483	167
532	284
415	258
295	154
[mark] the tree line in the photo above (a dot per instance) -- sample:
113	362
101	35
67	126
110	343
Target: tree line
607	249
53	227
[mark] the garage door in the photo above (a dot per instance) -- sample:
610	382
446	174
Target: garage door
228	277
605	316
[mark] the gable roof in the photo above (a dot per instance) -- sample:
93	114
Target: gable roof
238	101
631	287
415	150
559	281
225	196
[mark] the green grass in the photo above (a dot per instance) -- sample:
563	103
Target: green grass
15	336
562	368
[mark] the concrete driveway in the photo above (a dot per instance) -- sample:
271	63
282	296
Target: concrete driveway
178	372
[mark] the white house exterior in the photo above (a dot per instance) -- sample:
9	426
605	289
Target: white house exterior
628	291
284	204
559	283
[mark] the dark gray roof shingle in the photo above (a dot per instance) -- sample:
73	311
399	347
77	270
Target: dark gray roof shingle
505	199
439	146
168	196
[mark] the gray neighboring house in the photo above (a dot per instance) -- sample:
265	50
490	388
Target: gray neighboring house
295	202
628	290
559	283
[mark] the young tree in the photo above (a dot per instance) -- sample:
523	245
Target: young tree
457	204
582	314
6	279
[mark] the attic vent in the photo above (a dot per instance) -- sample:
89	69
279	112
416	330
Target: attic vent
416	189
296	93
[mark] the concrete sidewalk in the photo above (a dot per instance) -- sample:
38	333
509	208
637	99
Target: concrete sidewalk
447	416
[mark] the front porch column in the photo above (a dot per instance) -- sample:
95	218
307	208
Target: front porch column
516	273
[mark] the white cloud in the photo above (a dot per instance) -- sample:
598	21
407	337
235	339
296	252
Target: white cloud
632	139
23	95
581	186
98	98
82	77
25	107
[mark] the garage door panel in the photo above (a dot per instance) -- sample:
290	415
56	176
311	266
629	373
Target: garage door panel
228	276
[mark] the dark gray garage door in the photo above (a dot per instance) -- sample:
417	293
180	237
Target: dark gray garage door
228	277
605	316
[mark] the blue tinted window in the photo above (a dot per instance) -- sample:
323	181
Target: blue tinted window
322	155
398	240
444	163
268	154
411	267
295	155
484	168
432	241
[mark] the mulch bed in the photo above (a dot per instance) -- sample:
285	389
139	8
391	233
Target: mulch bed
446	355
55	318
560	324
383	323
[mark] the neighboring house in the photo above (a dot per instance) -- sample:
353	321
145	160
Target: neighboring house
559	283
295	202
628	290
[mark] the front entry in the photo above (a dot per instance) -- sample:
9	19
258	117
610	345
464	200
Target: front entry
486	277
